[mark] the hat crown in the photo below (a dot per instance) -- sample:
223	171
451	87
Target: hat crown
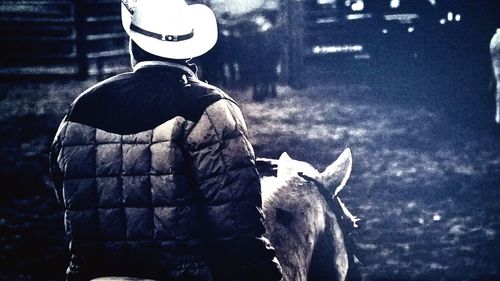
170	28
163	16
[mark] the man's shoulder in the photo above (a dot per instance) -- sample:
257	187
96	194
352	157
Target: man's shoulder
98	96
198	96
116	81
206	89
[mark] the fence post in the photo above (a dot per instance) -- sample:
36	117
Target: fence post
296	43
81	50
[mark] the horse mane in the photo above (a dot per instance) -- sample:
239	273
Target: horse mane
282	194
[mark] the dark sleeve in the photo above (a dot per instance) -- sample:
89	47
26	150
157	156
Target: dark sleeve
223	163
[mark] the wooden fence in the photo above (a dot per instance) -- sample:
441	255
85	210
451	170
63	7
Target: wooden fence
61	38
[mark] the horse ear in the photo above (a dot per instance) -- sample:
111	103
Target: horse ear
336	175
285	166
288	167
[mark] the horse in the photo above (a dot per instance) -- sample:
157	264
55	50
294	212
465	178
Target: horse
306	221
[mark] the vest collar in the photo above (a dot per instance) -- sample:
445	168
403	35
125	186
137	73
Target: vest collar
146	64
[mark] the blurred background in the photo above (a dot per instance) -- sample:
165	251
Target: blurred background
407	84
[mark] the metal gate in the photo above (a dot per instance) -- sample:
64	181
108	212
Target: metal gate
61	38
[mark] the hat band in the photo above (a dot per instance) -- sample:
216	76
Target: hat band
162	37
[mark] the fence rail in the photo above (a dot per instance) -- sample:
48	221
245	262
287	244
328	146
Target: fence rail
61	38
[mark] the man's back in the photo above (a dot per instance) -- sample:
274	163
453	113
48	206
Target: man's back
157	177
131	206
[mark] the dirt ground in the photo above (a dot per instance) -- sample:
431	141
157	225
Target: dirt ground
425	181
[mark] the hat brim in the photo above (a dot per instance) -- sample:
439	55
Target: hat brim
204	35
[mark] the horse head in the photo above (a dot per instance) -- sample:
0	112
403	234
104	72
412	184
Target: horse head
334	177
306	219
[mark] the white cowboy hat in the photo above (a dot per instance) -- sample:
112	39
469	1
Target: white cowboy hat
170	28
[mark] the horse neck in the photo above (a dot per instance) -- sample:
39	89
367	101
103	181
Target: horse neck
330	257
295	217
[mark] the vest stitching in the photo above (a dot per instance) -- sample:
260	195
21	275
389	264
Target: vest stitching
122	200
94	185
153	238
234	215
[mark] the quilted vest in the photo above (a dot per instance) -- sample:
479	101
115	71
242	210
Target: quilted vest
158	181
129	200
